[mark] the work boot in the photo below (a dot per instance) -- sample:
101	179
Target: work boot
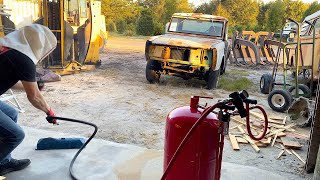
14	165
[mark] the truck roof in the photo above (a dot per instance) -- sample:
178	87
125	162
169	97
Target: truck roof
199	15
312	16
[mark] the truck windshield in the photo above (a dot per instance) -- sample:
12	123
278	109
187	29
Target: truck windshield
196	26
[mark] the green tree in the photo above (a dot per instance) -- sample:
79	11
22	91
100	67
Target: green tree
121	25
170	8
120	9
158	28
242	12
184	6
280	10
131	30
294	9
206	8
145	23
156	6
111	26
176	6
274	15
314	7
221	11
261	18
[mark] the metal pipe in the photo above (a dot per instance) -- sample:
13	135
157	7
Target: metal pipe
313	48
285	68
62	31
297	56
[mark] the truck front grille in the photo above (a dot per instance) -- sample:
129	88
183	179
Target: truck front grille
180	54
176	54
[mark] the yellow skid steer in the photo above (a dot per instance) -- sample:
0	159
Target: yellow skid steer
78	25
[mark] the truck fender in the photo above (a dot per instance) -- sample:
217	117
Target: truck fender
220	54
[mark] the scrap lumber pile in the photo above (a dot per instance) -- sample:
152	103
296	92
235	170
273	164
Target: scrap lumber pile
280	134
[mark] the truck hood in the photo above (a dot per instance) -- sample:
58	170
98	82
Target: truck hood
185	41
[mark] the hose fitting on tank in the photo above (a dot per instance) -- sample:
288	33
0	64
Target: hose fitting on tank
194	101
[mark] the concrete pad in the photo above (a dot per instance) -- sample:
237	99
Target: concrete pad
107	160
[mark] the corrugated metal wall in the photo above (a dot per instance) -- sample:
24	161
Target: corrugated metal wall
23	12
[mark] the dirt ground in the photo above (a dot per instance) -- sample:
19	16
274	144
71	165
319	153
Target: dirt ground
127	109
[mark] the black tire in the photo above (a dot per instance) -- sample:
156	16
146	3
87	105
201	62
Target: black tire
212	79
266	83
223	66
304	90
280	100
152	74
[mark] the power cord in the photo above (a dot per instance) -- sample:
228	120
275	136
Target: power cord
50	120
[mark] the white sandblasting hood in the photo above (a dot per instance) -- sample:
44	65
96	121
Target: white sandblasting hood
34	40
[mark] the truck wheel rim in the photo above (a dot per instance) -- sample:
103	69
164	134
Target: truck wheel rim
278	100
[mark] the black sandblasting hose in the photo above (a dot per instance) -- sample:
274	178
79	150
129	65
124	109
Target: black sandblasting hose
51	118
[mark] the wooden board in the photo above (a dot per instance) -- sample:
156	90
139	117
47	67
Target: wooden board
281	134
265	141
268	131
274	139
252	143
299	157
288	151
290	143
259	144
276	119
242	140
232	128
280	130
285	120
241	130
241	121
261	117
276	126
257	124
298	135
234	142
275	122
255	114
269	140
280	154
278	141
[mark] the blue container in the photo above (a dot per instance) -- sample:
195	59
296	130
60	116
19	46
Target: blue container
60	143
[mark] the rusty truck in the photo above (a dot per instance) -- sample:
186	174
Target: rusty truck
194	46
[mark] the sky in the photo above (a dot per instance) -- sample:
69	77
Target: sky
198	2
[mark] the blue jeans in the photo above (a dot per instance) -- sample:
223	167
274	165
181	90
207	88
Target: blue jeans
11	134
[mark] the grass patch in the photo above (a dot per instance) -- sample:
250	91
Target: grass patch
235	81
112	35
238	72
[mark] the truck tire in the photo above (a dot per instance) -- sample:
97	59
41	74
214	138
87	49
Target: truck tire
266	84
303	90
151	74
212	78
223	66
280	100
